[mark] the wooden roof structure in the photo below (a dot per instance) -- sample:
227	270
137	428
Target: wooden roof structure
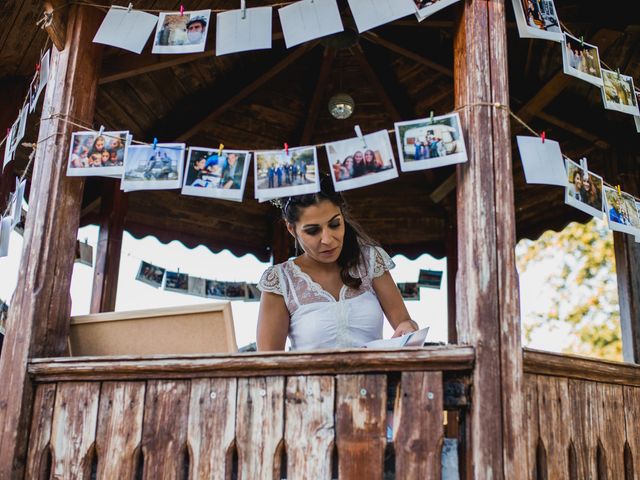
261	99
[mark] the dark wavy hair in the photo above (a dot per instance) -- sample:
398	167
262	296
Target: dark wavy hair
354	235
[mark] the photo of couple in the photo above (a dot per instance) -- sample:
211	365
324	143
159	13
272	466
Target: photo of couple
583	190
581	60
216	173
95	153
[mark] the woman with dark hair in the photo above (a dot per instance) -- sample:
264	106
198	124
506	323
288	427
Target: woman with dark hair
334	294
359	167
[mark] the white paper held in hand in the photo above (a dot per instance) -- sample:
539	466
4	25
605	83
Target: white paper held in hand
126	29
309	19
413	339
542	161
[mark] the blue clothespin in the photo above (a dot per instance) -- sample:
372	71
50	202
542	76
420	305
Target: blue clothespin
155	143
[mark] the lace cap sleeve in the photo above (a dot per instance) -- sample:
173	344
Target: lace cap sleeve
271	281
379	262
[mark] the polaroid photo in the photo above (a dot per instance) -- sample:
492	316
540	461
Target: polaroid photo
636	118
409	290
618	93
281	174
24	115
542	161
214	289
638	209
309	19
243	30
622	212
150	274
427	8
430	278
424	144
234	290
126	29
16	202
360	161
581	60
84	253
181	33
252	293
149	168
369	14
176	282
44	72
223	176
8	153
33	92
94	154
537	19
5	235
15	133
197	286
583	190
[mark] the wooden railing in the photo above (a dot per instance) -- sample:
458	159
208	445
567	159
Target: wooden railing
582	418
317	415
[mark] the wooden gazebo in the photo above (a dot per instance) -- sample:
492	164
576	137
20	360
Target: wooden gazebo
319	414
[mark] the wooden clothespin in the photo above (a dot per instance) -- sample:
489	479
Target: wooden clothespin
243	8
359	135
220	150
130	7
618	72
155	143
101	131
286	149
543	136
181	10
431	117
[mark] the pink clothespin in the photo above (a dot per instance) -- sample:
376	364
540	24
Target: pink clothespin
181	10
286	148
543	136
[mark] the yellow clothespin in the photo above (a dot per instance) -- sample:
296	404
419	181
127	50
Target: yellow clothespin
619	191
220	150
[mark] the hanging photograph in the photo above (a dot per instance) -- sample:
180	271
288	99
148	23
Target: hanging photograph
149	168
424	143
369	14
243	30
176	282
309	19
361	161
16	199
281	174
234	290
581	60
126	28
8	153
427	8
5	235
618	93
252	293
33	92
409	290
542	161
214	289
537	19
181	32
430	278
93	154
621	210
15	134
44	72
208	174
196	286
150	274
583	190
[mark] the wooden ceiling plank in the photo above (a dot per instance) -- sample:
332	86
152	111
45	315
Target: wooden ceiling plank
577	131
318	93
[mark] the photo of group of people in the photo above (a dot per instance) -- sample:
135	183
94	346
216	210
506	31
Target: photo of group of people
150	274
184	32
583	190
149	167
361	161
618	93
622	212
95	153
430	143
429	7
537	19
282	173
216	173
581	60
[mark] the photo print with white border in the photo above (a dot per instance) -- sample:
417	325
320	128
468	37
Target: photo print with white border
427	8
622	212
208	174
196	286
84	253
150	274
146	168
44	72
278	174
215	289
583	190
176	282
252	293
361	161
537	19
409	291
94	154
636	118
126	29
638	209
309	19
424	144
581	60
618	93
542	162
181	33
240	32
235	290
369	14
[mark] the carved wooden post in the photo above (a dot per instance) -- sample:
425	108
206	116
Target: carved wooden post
41	304
113	210
487	306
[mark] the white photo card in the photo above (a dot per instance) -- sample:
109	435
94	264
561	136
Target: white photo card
95	154
309	19
184	32
149	167
278	173
621	210
581	60
360	161
427	8
542	161
583	190
150	274
618	93
369	14
430	143
126	29
216	173
243	30
537	19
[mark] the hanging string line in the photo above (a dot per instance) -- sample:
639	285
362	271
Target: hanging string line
150	10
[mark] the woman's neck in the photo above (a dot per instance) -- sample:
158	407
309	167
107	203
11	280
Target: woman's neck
309	263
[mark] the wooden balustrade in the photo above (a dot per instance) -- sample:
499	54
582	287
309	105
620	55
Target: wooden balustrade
316	415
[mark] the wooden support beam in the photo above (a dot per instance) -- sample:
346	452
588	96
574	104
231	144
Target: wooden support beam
318	94
105	274
41	305
444	189
577	131
55	23
487	306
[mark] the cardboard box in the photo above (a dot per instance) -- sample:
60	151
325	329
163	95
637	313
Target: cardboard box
176	330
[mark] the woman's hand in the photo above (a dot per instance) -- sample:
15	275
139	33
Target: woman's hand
405	327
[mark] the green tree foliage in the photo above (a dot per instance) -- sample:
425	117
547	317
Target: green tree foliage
580	288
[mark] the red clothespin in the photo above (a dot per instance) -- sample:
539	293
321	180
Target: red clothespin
543	136
37	67
286	148
181	10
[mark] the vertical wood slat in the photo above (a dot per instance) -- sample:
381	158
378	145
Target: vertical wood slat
73	430
119	428
610	426
554	423
310	429
418	425
164	431
584	425
531	423
260	427
40	434
632	432
361	426
211	430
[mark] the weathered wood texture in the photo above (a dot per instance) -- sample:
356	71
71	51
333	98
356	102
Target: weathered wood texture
487	287
41	303
56	23
580	429
40	435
